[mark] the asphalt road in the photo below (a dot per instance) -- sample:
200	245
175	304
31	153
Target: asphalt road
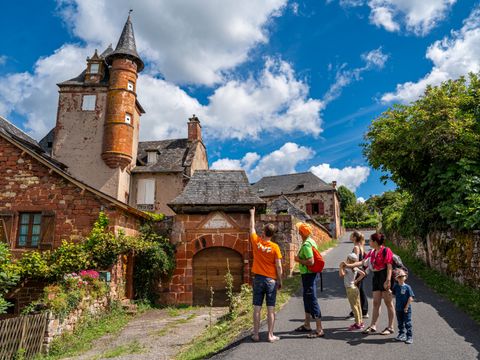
441	331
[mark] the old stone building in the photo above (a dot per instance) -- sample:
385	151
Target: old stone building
211	232
308	193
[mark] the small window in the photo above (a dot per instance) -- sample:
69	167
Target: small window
315	209
94	68
151	157
88	103
29	229
299	187
146	192
130	86
128	118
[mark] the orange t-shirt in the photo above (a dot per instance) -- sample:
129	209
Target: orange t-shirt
264	255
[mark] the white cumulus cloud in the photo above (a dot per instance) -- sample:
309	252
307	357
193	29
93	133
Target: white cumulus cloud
416	16
351	177
35	95
188	41
452	57
281	161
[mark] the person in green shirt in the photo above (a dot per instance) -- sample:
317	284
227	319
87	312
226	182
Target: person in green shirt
309	283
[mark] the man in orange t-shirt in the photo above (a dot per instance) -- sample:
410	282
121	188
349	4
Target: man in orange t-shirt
267	267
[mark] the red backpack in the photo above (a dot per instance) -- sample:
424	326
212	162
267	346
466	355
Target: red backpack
318	262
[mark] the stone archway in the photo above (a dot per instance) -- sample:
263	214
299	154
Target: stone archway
209	270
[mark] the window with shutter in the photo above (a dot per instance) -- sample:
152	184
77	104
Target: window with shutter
47	236
6	221
146	192
29	229
309	209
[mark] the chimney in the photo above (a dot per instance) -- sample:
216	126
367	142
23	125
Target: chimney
334	184
194	129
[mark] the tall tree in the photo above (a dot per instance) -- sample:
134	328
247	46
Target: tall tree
347	197
431	148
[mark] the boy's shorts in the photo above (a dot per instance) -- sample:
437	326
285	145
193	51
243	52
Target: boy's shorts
264	287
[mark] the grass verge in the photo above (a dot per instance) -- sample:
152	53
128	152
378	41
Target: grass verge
133	347
228	328
463	296
91	329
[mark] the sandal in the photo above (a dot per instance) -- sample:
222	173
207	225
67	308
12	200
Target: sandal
387	331
275	338
369	330
314	335
302	329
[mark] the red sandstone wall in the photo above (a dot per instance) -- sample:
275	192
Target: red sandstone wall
190	238
27	185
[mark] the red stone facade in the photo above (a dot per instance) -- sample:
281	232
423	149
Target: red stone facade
191	237
68	211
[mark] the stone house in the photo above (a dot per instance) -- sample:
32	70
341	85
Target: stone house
308	193
41	204
211	232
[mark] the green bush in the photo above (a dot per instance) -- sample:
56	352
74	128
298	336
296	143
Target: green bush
69	257
9	275
35	264
369	223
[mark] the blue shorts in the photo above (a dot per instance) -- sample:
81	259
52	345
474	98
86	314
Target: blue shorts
264	287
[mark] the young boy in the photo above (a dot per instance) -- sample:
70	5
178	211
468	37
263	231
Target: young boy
351	288
403	298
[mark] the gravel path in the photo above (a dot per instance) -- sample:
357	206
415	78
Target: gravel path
153	335
441	331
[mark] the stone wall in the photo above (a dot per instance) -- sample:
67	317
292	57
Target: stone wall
57	326
456	254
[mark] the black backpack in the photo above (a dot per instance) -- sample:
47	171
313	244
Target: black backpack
397	262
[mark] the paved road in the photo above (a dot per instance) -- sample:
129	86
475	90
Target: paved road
441	331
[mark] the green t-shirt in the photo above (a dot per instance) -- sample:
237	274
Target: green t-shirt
305	253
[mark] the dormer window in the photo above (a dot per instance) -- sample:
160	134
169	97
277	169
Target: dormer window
151	157
299	187
88	102
94	68
128	118
130	86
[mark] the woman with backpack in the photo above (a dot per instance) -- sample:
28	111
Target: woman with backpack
358	240
380	260
305	258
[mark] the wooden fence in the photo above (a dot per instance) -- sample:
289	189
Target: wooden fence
22	335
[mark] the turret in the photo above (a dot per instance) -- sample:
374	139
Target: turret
122	107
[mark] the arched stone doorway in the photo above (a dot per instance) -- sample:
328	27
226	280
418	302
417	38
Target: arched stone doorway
209	270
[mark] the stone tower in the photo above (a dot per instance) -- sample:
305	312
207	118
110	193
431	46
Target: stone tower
120	120
98	118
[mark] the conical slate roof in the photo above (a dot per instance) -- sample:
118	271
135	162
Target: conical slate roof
126	46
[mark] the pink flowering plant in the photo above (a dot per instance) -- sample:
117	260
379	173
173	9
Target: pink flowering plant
89	274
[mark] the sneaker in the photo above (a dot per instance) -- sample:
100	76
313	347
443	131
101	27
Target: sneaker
401	337
349	317
365	316
409	341
355	327
361	326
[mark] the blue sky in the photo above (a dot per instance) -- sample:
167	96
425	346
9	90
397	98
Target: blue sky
280	86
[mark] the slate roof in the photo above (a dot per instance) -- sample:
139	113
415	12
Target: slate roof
290	184
173	155
126	46
217	189
8	127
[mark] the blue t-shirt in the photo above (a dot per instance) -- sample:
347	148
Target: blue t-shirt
402	294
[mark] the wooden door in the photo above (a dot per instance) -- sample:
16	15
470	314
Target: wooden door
209	270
